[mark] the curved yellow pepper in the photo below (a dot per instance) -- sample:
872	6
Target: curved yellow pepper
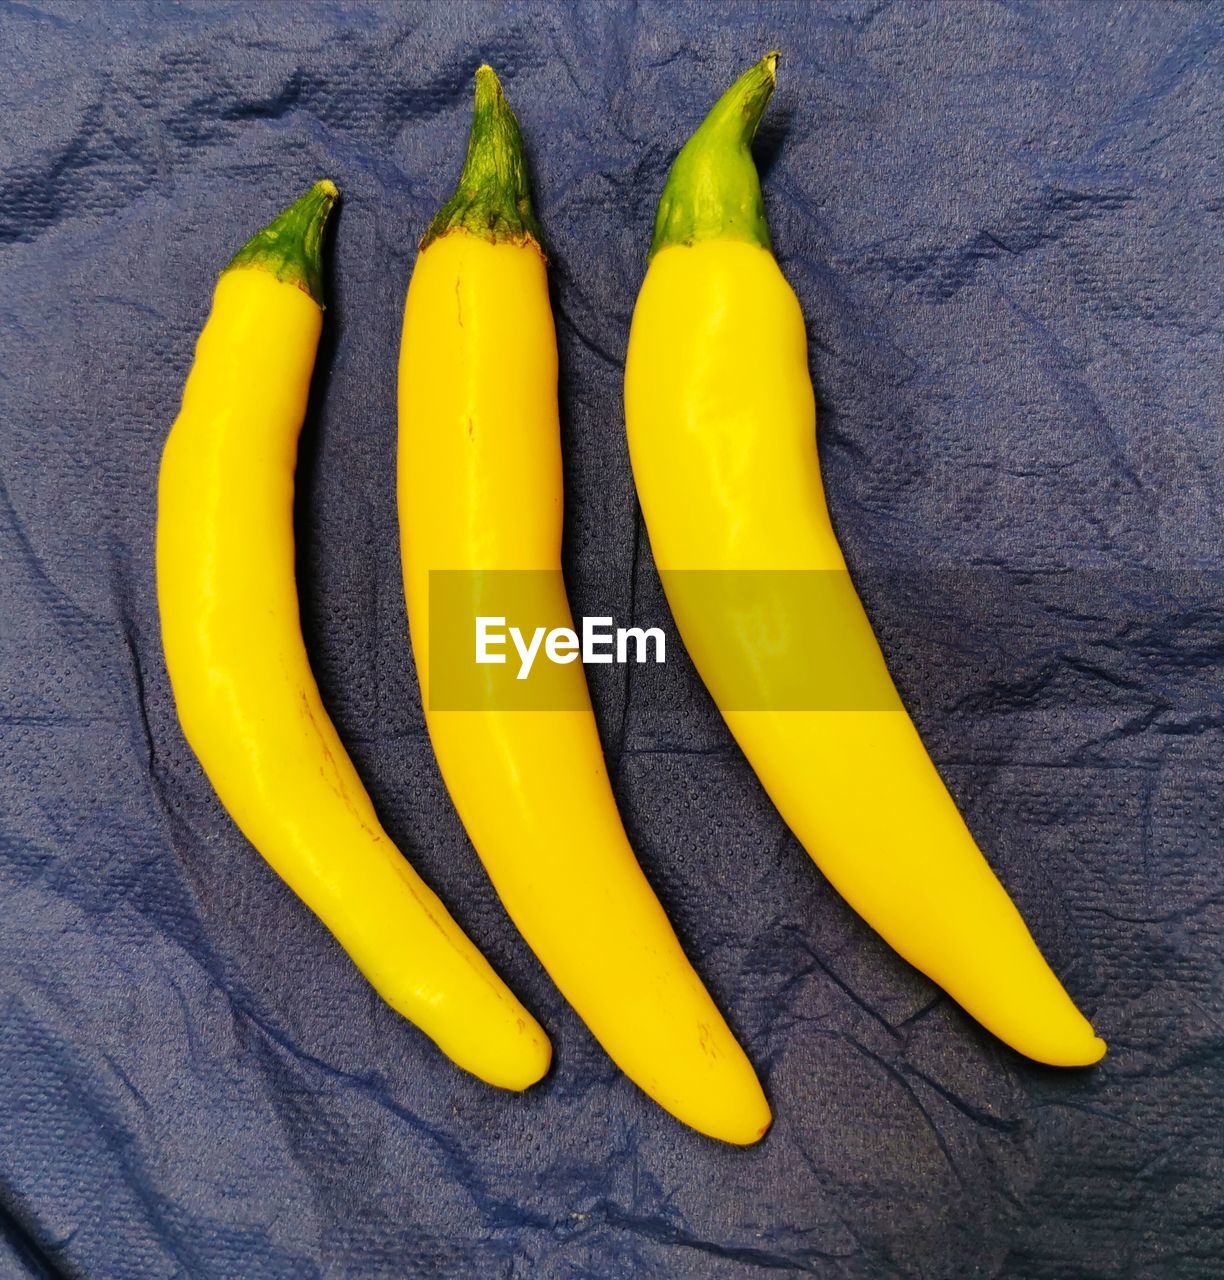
480	489
722	434
246	697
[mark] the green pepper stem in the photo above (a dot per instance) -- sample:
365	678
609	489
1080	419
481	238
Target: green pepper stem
493	200
291	245
713	191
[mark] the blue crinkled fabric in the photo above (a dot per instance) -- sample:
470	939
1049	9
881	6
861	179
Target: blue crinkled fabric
1002	221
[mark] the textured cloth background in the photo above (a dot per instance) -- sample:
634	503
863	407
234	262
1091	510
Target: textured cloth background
1003	223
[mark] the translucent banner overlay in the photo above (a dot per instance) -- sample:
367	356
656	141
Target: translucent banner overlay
796	641
762	641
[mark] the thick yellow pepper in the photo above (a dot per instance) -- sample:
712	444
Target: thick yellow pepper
246	697
722	434
480	491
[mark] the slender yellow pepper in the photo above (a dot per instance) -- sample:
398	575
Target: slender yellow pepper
722	435
480	490
246	697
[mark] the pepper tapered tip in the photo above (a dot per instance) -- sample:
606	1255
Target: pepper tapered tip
492	200
290	247
713	191
488	88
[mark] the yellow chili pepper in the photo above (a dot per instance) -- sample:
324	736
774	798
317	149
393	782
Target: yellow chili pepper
722	434
246	697
480	490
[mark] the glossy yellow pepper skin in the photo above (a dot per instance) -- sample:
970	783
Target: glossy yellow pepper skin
246	698
722	434
480	488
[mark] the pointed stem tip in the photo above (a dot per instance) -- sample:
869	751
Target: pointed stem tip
713	191
488	86
493	198
290	247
